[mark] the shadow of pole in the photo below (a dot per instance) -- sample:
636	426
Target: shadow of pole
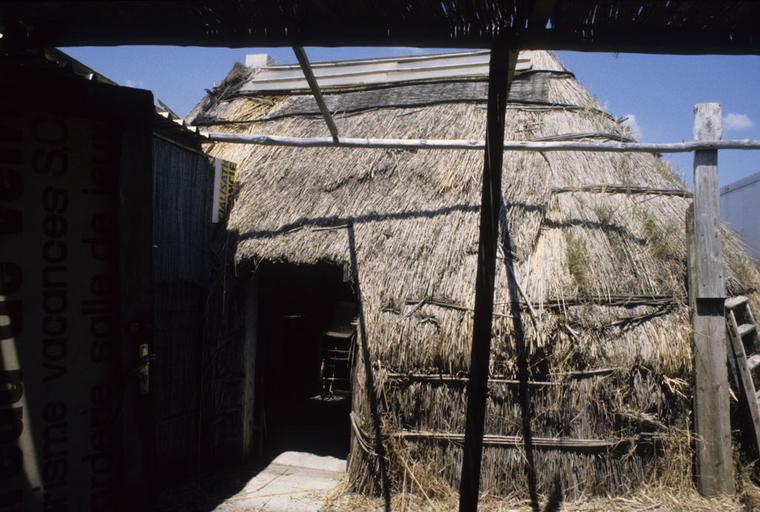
371	396
523	373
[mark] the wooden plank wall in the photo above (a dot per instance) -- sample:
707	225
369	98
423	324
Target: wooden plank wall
183	184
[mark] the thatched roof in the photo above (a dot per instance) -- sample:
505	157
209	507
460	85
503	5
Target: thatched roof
675	26
605	272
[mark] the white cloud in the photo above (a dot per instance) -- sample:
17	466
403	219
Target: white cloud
737	121
632	124
134	83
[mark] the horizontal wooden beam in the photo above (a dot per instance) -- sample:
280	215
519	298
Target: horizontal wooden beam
459	379
623	189
546	443
560	302
550	443
454	379
479	145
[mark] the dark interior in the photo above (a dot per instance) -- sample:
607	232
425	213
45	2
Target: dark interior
296	305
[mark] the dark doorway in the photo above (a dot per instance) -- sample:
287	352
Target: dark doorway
296	407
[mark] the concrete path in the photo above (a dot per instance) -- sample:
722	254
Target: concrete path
293	482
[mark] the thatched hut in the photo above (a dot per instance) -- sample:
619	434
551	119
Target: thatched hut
596	240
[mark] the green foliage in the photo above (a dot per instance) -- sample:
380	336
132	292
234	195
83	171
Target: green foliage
664	170
604	213
744	271
660	240
577	262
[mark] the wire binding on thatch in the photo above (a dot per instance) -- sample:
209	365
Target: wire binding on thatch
625	189
406	378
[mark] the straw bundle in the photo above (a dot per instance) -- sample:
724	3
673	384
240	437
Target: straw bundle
609	344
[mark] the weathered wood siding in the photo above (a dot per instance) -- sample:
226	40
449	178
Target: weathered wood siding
183	182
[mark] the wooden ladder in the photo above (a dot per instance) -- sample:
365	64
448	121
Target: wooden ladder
744	339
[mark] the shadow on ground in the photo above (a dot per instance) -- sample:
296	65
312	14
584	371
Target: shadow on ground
304	458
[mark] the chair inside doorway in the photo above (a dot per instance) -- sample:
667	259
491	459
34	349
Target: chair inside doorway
338	349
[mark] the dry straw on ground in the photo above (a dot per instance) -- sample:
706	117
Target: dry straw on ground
604	272
655	500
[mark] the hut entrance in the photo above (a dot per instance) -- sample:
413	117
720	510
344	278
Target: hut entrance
305	352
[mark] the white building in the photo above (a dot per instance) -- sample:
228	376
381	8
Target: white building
740	209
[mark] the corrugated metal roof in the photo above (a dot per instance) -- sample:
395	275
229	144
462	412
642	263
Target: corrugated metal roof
375	71
744	182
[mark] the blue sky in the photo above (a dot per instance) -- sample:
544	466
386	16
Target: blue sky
656	91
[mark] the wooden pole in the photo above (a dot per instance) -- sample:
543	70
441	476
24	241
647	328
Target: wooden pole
476	145
136	295
714	462
500	68
623	189
303	60
369	375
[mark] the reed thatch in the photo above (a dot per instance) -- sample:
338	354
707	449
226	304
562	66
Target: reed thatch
609	344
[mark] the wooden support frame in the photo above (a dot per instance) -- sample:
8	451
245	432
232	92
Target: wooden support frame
501	70
623	189
477	145
303	60
714	461
385	485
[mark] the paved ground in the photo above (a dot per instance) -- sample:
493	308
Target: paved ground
307	442
294	481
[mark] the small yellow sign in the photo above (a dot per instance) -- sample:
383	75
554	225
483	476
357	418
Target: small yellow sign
224	179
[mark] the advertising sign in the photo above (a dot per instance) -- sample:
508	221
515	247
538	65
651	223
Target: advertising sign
224	179
59	304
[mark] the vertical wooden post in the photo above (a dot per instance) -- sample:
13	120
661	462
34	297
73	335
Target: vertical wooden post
502	61
714	463
136	287
369	375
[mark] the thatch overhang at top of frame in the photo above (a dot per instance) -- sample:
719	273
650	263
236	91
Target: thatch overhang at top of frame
605	273
677	26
